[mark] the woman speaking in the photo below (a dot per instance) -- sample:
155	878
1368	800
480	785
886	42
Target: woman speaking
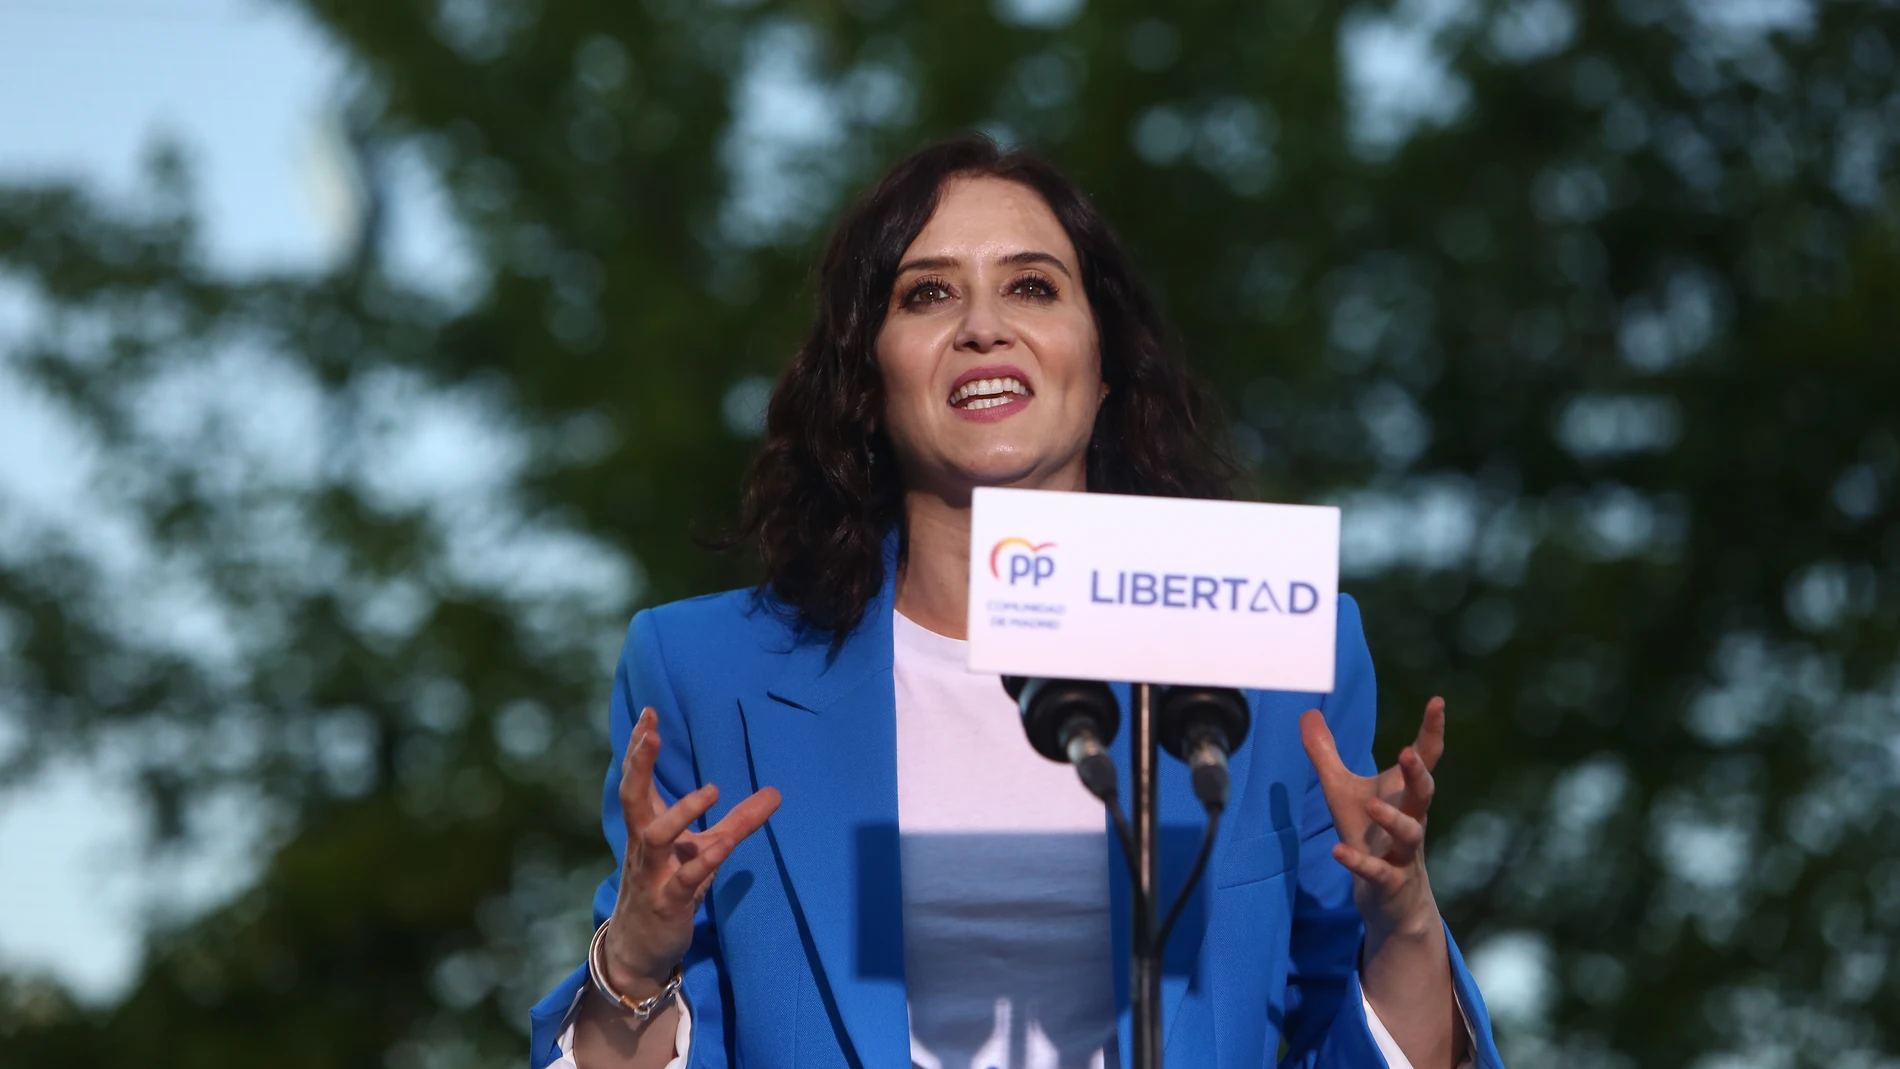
836	848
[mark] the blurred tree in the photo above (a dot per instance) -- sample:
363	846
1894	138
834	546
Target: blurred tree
1581	311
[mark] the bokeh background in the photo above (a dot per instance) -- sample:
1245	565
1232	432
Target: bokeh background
365	363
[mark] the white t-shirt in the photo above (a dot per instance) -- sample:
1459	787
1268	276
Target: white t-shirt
1007	958
1007	930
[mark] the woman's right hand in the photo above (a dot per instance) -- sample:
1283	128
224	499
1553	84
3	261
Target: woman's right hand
668	867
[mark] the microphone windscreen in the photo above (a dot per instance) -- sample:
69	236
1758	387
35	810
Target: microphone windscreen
1182	708
1046	705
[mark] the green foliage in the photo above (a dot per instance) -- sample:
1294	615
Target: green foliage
1593	341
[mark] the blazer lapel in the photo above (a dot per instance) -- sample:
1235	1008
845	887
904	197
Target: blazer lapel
825	734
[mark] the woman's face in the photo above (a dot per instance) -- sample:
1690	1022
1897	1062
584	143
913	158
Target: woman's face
992	368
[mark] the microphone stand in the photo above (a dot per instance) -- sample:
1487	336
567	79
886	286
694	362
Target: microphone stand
1082	715
1144	987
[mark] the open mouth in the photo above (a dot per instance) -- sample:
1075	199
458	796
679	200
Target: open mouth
978	394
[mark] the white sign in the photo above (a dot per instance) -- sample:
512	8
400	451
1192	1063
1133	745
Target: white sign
1153	589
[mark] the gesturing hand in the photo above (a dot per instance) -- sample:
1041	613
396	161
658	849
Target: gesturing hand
668	867
1381	824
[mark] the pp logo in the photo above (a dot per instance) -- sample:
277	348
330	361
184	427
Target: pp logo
1023	559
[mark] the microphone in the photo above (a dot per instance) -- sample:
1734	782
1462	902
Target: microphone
1201	726
1071	721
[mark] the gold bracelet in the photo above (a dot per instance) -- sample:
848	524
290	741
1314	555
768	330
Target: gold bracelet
642	1010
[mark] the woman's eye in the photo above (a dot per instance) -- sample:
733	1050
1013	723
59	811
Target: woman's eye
927	292
1035	287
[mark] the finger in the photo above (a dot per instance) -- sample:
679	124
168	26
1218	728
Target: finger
677	818
1431	733
651	718
636	774
633	743
1408	835
695	873
1320	748
699	869
1419	784
747	816
1381	874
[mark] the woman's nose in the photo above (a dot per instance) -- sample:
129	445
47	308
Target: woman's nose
984	327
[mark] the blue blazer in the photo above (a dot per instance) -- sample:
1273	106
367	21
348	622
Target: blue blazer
797	958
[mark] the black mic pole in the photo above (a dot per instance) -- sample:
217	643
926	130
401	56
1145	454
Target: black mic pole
1144	986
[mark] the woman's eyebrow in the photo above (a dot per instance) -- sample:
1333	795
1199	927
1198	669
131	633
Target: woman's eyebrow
929	263
1019	259
1014	259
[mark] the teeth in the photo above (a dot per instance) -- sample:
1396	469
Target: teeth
987	389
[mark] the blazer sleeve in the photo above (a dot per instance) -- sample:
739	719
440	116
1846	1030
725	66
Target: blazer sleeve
639	681
1326	1024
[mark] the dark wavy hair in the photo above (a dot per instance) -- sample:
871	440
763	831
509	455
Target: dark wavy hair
824	489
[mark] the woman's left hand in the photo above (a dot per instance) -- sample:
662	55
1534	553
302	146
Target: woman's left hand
1381	825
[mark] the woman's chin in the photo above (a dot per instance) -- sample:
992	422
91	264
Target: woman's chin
1019	471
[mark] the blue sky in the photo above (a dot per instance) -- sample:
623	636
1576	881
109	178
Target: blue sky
87	85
